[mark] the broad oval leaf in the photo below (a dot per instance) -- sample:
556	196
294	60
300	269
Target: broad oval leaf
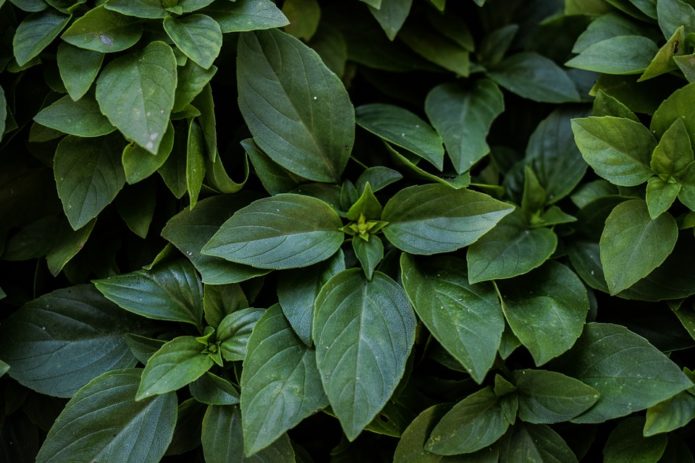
223	440
234	331
363	331
189	230
136	93
618	149
625	54
431	219
547	397
391	15
280	384
670	414
88	429
546	309
466	319
60	341
211	389
628	372
170	291
676	106
471	425
285	231
81	118
147	9
88	176
535	443
35	33
198	36
535	77
632	244
297	110
247	15
176	364
510	249
104	31
78	68
463	118
402	128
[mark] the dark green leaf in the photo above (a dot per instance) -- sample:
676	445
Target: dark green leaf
431	219
176	364
626	444
59	342
545	309
78	68
550	397
436	48
88	176
136	93
35	33
670	414
364	331
103	31
211	389
463	118
628	372
402	128
280	385
535	444
198	36
80	118
466	319
304	124
170	291
632	244
138	164
304	16
89	430
535	77
369	253
147	9
247	15
625	54
391	15
285	231
234	330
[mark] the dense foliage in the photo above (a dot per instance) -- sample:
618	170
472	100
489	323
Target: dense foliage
379	230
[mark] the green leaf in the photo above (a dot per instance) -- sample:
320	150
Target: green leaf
626	444
674	13
136	206
189	230
247	15
436	48
81	118
304	124
176	364
495	44
605	27
4	368
220	301
35	33
676	106
146	9
136	93
674	152
471	425
625	54
211	389
78	68
670	414
391	15
660	196
297	292
364	331
285	231
223	440
88	176
280	385
170	291
104	31
628	372
198	36
463	118
547	397
88	429
431	219
191	81
537	444
304	16
139	164
331	46
545	309
607	105
535	77
510	249
466	319
632	244
195	162
234	330
663	61
68	243
617	149
60	341
368	253
402	128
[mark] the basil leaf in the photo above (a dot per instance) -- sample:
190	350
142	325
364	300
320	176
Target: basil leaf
538	443
35	33
78	68
626	443
247	15
80	118
234	330
198	36
103	31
